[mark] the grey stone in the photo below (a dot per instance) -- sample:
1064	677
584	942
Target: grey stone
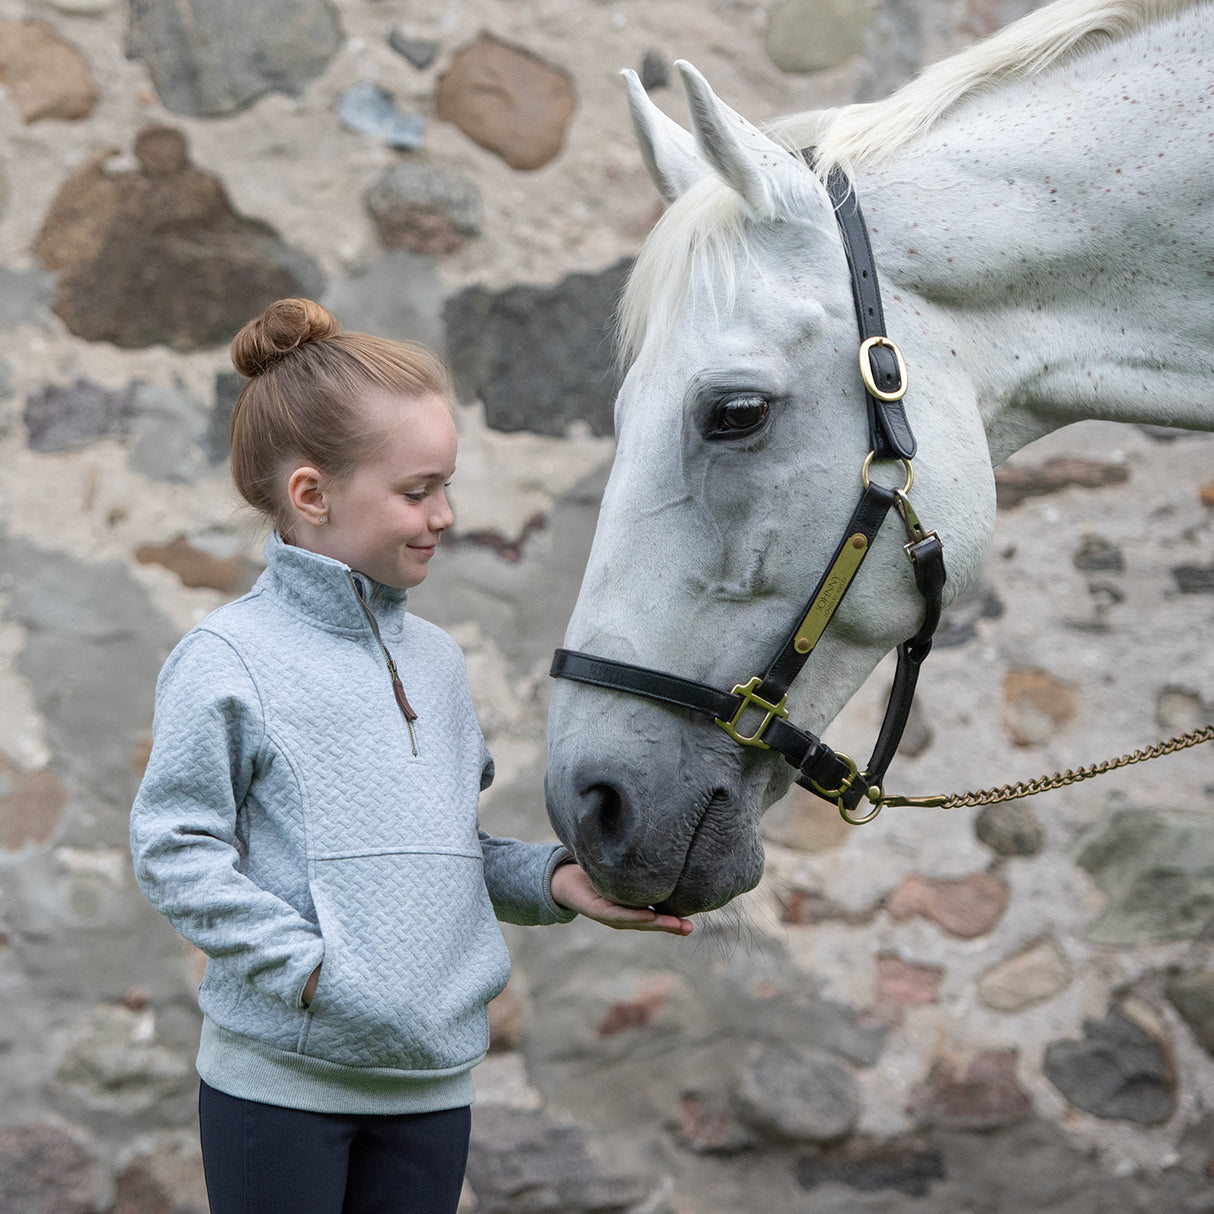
1192	994
421	52
1157	873
113	1064
904	1168
93	649
797	1095
895	45
654	72
399	297
66	418
217	440
43	1170
959	620
1098	555
539	358
211	57
1118	1072
811	35
425	207
26	297
1010	830
372	110
520	1162
1194	579
167	431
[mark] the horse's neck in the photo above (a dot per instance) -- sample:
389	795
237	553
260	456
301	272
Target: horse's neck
1055	241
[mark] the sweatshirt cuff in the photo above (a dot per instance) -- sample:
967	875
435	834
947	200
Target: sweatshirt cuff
560	855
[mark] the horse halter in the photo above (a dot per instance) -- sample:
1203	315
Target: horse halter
828	773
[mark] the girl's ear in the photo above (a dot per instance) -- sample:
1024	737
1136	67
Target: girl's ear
306	493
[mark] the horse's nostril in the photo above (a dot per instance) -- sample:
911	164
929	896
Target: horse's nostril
606	807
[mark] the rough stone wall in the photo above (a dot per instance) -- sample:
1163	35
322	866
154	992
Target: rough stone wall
961	1011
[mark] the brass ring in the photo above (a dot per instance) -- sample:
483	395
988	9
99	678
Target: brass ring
868	462
866	370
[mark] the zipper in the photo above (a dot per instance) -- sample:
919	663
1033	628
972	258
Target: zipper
398	689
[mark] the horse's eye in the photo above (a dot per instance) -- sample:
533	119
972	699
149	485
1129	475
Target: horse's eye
737	417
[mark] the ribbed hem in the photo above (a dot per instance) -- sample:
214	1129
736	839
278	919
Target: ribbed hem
251	1070
558	913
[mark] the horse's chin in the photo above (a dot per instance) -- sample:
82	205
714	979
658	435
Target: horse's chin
713	871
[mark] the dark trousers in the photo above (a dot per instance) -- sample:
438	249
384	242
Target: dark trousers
262	1159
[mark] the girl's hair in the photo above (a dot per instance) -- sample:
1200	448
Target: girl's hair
305	397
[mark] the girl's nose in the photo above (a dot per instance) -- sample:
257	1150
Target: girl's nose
443	515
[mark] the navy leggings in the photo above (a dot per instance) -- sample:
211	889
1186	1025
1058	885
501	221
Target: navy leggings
262	1159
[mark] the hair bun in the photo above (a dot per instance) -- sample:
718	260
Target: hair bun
284	326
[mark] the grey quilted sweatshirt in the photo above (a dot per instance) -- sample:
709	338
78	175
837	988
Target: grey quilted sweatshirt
285	820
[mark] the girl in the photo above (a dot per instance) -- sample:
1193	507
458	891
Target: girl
308	817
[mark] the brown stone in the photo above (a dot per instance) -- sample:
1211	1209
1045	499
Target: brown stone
157	255
1035	706
963	906
1030	976
48	77
987	1096
1014	484
166	1181
196	568
31	806
507	100
45	1171
902	984
805	822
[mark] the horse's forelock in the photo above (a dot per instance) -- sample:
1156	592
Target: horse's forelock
698	243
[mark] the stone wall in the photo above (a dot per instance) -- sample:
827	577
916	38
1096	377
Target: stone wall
961	1011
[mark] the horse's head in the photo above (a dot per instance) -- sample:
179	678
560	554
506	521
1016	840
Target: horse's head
741	431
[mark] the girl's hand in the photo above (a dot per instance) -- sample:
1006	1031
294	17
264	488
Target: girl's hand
571	888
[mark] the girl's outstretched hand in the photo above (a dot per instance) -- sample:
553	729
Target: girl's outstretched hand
571	888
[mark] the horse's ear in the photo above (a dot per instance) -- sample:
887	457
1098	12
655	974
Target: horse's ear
669	152
741	155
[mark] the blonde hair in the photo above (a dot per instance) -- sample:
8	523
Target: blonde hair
305	399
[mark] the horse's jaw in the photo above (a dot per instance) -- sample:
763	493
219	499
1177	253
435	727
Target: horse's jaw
656	810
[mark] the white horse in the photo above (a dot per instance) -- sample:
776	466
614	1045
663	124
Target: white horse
1041	209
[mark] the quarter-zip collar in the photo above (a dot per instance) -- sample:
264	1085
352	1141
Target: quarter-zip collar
322	589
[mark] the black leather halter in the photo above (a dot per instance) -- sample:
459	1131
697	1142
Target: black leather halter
763	699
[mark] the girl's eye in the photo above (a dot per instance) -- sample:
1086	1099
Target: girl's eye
737	417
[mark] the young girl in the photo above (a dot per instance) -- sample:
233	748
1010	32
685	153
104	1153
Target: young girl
309	813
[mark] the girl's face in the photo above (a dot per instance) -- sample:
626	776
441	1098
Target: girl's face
386	518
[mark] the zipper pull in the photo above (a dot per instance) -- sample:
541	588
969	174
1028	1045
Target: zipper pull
403	700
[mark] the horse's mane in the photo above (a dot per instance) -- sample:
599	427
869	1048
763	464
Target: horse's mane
706	227
861	134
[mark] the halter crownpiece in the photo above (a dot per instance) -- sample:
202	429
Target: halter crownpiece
763	699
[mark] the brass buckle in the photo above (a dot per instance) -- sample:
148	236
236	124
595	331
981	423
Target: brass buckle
866	370
771	711
875	794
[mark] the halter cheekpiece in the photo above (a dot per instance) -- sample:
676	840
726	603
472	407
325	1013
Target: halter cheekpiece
755	713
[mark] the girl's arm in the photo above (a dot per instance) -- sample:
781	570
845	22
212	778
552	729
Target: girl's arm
207	733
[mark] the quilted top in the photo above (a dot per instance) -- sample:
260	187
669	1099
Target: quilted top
285	820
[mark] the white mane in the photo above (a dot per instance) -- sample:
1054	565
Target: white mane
703	231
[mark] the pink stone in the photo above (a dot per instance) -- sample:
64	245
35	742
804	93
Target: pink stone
962	906
47	76
902	984
986	1097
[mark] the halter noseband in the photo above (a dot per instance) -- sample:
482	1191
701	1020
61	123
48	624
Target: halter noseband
763	699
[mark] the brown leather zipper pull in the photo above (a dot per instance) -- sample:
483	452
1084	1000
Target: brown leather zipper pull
402	699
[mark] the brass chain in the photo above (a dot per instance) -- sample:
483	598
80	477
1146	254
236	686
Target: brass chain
1030	788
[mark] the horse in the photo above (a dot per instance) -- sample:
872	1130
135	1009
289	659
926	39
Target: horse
1041	216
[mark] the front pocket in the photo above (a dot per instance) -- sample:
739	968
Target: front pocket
413	954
